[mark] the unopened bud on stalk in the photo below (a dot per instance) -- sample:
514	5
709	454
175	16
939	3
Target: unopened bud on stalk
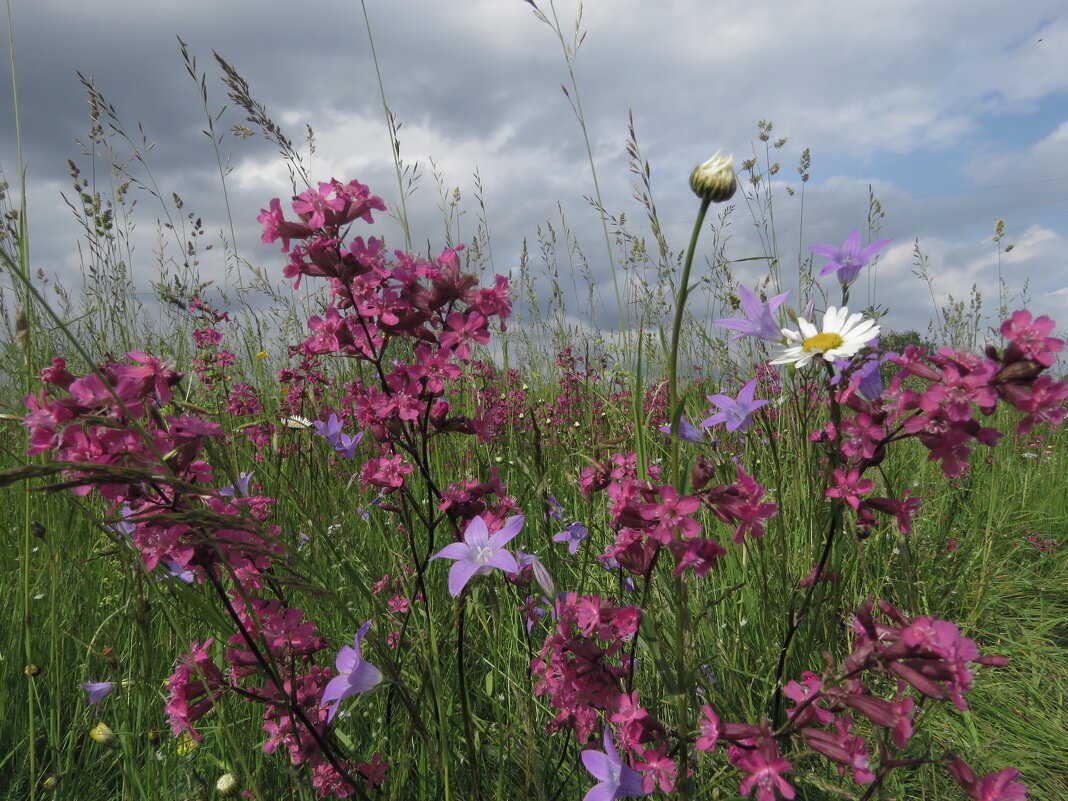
103	734
714	180
226	784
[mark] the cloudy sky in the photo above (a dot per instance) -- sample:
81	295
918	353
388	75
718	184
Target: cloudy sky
954	114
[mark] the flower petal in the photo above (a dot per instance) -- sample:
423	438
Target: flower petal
459	574
506	534
365	677
454	550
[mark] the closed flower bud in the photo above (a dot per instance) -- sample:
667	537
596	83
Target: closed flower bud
103	734
227	784
714	180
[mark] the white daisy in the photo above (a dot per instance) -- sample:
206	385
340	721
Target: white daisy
843	335
296	421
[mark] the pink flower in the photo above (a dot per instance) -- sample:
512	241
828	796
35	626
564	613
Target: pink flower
992	787
764	774
462	330
710	729
1029	339
698	554
193	688
276	227
843	748
313	205
659	770
849	486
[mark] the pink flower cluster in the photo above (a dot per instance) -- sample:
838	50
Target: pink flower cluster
110	430
432	304
942	416
583	662
925	654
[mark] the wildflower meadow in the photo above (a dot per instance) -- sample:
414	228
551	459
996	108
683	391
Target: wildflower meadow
414	538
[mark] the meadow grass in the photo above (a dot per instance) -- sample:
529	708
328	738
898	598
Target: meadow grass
458	713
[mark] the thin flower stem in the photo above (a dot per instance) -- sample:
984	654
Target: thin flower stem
676	332
269	669
682	697
834	520
465	700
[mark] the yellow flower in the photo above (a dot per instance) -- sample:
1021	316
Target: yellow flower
261	355
186	744
103	734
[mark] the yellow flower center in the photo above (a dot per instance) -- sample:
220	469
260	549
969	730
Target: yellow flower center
822	343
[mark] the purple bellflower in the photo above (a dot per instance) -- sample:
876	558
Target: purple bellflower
871	380
615	780
574	536
330	429
346	445
175	570
541	573
848	260
554	509
759	317
240	489
687	431
339	441
735	412
480	552
97	690
354	674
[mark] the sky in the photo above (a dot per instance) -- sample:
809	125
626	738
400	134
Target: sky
954	115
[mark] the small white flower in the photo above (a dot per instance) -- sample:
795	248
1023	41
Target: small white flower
843	335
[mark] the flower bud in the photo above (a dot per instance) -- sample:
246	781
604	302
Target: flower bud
226	784
103	734
714	180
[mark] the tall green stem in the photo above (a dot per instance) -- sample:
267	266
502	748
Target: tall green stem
676	332
682	697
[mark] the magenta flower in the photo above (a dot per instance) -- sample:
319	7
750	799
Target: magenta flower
1028	338
764	775
848	260
615	780
758	321
480	552
850	486
992	787
735	412
710	729
354	674
97	690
